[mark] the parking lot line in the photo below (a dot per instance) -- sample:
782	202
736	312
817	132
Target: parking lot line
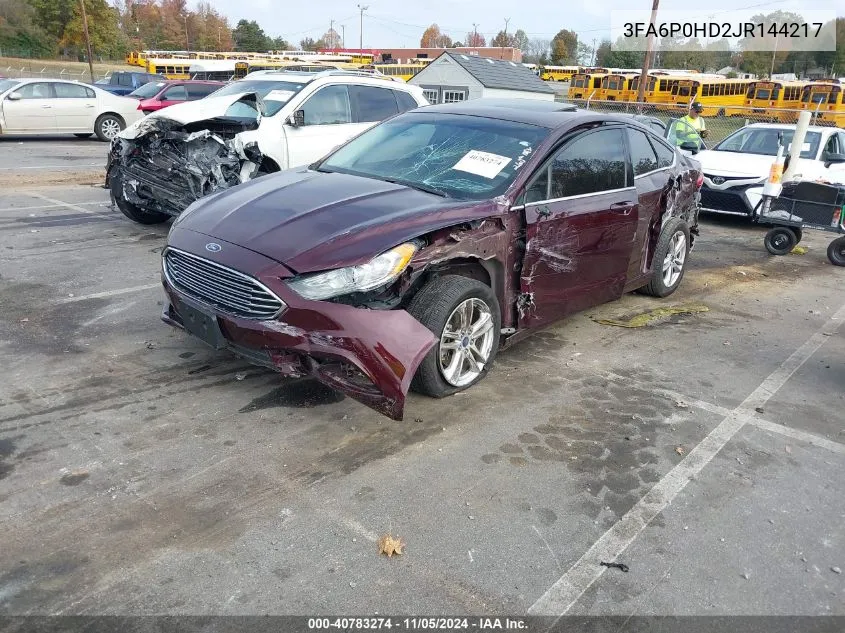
41	207
59	167
67	205
803	436
109	293
563	595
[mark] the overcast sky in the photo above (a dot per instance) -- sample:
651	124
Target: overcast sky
397	23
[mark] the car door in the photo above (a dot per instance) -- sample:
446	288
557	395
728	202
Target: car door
581	214
327	123
34	111
75	107
651	178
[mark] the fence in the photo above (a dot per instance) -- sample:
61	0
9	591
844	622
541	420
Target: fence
723	121
47	72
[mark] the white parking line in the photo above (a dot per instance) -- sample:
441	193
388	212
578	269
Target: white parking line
803	436
109	293
561	596
67	205
60	167
52	206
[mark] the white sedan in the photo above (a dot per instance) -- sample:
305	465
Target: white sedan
736	169
51	106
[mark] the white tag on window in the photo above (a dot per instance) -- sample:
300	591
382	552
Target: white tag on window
278	95
482	163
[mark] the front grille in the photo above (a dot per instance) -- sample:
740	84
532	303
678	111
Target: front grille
724	201
225	289
728	178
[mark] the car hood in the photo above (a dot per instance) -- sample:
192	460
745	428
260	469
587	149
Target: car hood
193	111
734	164
311	221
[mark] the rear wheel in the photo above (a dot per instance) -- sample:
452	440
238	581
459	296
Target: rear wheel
670	259
464	315
836	251
131	211
108	126
780	240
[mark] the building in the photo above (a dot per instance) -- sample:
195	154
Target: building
405	55
454	76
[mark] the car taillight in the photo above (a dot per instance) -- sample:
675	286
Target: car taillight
700	181
139	106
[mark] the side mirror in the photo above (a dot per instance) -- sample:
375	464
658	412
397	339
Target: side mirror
297	119
13	96
832	158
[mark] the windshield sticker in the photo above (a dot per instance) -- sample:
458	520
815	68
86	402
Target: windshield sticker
522	158
482	163
805	147
279	95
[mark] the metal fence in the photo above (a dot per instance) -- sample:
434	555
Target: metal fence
36	71
721	121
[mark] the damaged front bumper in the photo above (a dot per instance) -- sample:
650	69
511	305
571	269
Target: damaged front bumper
167	166
369	355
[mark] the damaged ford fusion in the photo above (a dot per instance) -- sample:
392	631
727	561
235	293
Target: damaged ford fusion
411	255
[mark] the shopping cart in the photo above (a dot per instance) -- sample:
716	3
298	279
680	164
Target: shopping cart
804	205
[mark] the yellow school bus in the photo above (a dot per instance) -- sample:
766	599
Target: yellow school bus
170	68
658	90
584	85
826	99
712	92
557	73
401	71
616	87
785	96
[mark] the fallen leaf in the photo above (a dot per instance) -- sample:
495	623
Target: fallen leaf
655	316
798	250
389	545
680	450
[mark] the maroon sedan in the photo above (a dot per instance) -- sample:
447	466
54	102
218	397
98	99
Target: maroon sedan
160	94
409	256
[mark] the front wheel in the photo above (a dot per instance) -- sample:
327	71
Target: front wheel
131	211
108	126
780	240
836	251
465	317
670	259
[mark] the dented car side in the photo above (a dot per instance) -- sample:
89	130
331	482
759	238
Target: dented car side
541	259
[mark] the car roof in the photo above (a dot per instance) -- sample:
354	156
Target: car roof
786	126
550	117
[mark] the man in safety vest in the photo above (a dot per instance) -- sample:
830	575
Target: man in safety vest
691	128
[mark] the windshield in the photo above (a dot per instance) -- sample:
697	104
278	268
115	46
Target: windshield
149	90
465	157
274	93
764	141
5	84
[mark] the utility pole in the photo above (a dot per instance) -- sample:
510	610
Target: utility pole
475	37
774	52
187	43
648	54
502	51
87	40
343	36
361	32
593	63
331	34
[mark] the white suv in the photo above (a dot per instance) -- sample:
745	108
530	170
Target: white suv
263	123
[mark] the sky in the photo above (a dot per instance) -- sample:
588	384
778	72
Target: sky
395	23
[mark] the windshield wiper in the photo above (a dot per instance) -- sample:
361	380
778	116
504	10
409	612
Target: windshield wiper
415	185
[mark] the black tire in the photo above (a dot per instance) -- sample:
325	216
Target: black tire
799	234
658	287
104	125
780	240
432	306
131	211
88	135
836	251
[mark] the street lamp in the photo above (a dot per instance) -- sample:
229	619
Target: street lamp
361	32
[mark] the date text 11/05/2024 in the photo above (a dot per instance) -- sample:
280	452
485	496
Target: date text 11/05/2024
419	624
723	29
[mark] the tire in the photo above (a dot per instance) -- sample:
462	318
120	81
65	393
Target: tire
437	304
88	135
799	234
780	240
131	211
836	251
108	126
675	238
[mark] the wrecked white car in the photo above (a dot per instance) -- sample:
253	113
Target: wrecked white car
258	125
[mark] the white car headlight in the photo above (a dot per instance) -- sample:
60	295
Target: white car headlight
377	272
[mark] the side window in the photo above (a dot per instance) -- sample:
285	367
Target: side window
642	154
592	163
406	101
665	154
176	93
328	106
372	104
36	91
198	91
72	91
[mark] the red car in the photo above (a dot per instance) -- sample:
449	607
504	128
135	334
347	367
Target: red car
160	94
413	253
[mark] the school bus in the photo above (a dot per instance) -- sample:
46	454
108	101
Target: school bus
658	90
616	87
783	95
558	73
825	99
170	68
401	71
713	92
584	85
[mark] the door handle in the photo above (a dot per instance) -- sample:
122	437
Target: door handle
623	208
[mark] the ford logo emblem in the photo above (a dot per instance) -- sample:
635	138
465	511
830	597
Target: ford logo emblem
718	180
213	248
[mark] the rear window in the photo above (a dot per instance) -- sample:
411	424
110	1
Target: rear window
148	91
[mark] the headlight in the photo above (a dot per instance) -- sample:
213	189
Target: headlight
375	273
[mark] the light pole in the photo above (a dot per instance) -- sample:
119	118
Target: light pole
648	54
87	40
362	8
502	51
